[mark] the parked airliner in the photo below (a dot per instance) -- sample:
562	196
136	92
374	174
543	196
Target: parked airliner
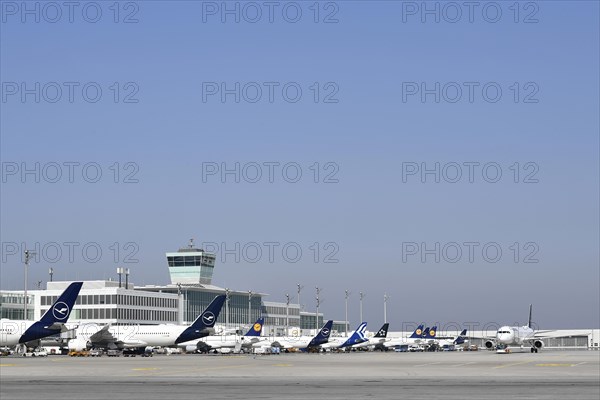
520	336
224	343
356	337
415	338
378	339
305	342
141	336
13	332
459	341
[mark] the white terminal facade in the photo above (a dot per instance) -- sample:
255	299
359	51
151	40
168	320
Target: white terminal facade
190	292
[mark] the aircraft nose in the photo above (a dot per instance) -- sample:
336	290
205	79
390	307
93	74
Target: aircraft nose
506	337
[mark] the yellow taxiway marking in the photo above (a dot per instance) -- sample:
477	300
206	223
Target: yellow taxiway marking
282	365
7	365
144	369
513	364
554	365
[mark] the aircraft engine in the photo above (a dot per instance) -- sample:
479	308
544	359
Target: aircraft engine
538	344
489	344
191	349
79	344
202	347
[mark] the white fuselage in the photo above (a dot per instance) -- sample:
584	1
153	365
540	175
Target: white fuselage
404	341
226	341
449	342
514	335
11	331
128	336
290	342
334	343
374	341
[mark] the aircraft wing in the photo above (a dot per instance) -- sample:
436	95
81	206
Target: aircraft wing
281	343
133	343
284	344
328	345
213	344
481	337
331	344
545	334
105	338
256	341
58	326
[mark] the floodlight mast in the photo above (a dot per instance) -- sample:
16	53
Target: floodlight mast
28	254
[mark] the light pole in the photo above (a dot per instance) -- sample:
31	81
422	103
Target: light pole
385	299
227	307
347	293
180	308
51	273
361	297
299	290
287	313
28	254
317	315
249	307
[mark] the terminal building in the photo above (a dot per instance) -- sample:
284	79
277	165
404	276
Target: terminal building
180	302
98	301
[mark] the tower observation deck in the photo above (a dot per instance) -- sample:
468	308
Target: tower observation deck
191	266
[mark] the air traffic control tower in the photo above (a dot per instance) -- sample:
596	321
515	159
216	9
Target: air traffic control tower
191	266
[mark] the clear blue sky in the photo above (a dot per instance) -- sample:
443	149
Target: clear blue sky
369	61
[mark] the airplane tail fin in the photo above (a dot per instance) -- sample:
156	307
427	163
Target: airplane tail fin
256	329
62	307
205	320
460	339
53	320
209	317
383	331
323	335
358	336
362	328
418	333
430	333
530	310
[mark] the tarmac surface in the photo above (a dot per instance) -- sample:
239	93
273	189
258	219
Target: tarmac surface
447	375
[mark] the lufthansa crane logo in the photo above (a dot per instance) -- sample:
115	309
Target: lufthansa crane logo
418	332
60	311
208	318
325	332
432	333
257	327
